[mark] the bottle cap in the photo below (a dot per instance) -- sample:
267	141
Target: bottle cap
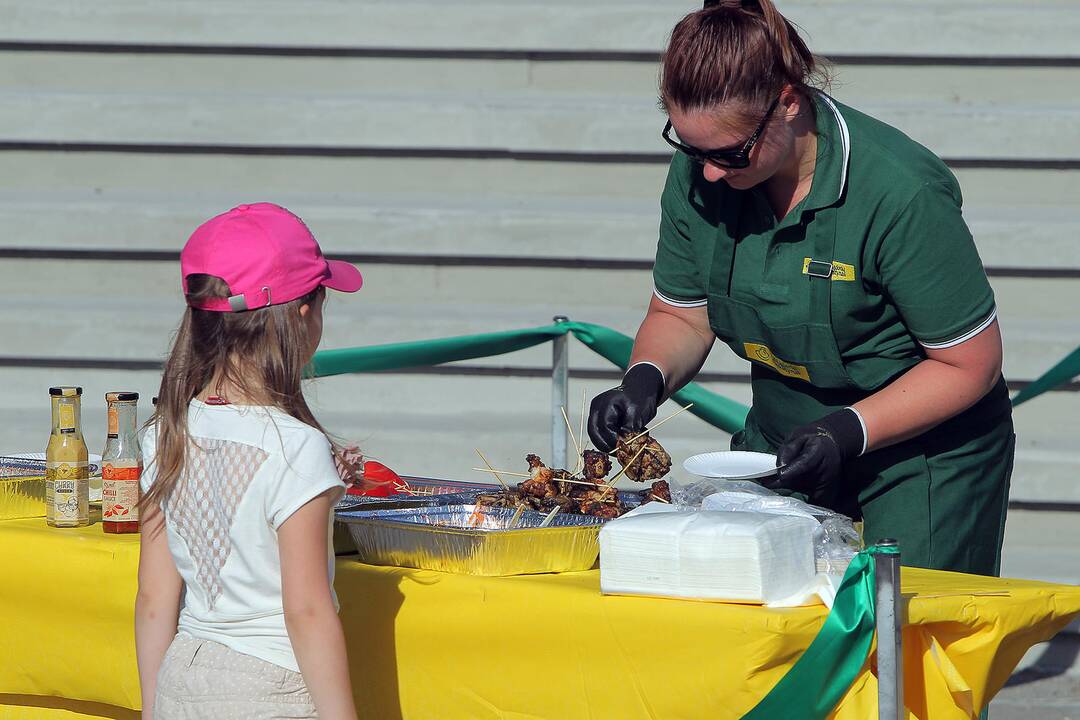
65	391
121	396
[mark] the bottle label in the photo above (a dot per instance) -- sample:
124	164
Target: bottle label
67	418
114	421
120	492
67	492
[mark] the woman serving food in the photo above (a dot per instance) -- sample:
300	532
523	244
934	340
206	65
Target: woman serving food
829	250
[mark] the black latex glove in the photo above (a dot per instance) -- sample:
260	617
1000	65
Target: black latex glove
626	408
813	456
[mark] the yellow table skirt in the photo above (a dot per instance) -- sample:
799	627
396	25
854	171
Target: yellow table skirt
429	645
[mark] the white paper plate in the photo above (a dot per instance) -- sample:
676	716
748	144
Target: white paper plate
731	465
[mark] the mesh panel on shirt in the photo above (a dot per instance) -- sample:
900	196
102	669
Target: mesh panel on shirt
203	504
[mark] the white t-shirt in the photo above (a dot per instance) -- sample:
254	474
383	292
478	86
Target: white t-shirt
248	470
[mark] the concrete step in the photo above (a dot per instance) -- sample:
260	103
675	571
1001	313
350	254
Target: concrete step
233	178
586	78
88	317
882	27
505	226
1042	545
482	122
239	178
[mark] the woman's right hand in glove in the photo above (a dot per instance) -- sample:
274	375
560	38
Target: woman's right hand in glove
626	408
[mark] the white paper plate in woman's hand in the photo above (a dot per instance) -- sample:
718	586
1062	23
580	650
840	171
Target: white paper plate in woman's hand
731	465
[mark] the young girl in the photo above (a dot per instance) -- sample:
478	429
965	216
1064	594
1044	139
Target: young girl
236	615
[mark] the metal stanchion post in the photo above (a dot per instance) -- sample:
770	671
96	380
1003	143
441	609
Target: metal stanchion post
560	391
890	658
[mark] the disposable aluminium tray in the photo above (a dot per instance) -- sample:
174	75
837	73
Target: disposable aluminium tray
22	484
22	488
468	540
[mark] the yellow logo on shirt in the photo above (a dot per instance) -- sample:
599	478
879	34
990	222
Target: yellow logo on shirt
840	271
764	355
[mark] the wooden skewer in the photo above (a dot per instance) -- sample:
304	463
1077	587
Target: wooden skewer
550	516
570	430
581	430
525	475
647	430
517	516
493	471
617	475
503	472
666	502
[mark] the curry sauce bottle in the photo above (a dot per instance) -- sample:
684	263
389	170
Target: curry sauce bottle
67	470
121	465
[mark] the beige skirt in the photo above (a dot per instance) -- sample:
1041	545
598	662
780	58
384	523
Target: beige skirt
205	680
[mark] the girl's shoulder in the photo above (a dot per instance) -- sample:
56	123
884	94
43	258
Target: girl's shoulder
268	428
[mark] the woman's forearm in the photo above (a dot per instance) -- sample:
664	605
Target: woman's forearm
924	397
319	644
945	384
676	340
155	628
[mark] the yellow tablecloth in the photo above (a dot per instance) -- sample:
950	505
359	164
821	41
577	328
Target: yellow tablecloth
429	645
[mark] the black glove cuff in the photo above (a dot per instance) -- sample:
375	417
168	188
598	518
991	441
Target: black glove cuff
644	380
846	429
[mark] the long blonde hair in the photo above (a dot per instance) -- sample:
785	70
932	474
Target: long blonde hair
262	353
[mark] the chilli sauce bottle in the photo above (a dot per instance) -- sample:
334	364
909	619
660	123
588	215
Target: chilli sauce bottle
121	465
67	470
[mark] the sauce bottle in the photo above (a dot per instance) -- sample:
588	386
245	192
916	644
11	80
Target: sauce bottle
121	465
67	470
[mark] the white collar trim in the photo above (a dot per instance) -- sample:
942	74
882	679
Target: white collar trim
845	139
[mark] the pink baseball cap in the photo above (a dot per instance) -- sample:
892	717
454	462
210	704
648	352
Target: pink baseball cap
267	256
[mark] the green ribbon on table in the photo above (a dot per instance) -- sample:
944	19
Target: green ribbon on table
714	409
1059	374
822	675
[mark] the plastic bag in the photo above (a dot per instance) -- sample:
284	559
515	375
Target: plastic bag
693	494
835	541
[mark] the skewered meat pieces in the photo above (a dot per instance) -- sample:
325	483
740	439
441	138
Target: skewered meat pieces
565	504
501	499
659	491
601	502
560	476
540	483
596	465
643	458
608	511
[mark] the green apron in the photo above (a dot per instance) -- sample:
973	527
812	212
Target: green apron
942	495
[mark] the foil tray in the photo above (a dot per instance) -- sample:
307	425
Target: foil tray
466	540
22	488
401	501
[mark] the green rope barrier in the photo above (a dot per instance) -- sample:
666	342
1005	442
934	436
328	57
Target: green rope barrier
1059	374
717	410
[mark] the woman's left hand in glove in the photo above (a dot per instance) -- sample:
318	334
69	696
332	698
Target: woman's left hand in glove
812	457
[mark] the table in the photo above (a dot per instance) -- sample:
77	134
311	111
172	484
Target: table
430	645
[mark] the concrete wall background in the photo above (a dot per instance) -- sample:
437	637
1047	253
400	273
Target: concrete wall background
450	147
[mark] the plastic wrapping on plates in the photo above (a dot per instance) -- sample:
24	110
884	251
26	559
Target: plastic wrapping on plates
835	542
474	540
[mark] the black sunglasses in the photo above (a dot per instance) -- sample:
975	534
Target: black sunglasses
734	158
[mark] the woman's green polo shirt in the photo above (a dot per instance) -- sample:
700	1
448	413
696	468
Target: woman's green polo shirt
903	274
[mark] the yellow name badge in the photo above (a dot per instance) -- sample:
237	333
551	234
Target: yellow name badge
764	355
840	271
